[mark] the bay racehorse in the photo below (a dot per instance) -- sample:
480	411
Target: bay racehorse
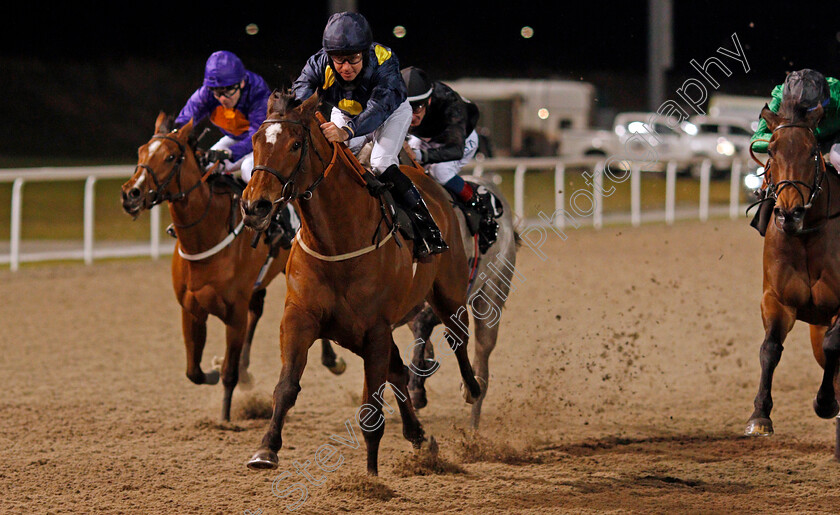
801	256
349	277
491	276
214	269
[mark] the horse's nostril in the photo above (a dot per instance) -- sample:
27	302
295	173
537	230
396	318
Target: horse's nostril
798	212
260	208
134	193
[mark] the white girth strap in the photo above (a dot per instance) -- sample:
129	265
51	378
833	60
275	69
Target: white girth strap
341	257
215	250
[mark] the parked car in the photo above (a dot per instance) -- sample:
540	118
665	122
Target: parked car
631	136
720	139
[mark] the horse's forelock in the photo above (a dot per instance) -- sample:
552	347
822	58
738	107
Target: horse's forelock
793	112
281	103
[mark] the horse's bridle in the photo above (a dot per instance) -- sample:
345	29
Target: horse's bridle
773	189
159	194
289	188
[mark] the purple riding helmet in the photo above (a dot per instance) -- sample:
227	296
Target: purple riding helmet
223	69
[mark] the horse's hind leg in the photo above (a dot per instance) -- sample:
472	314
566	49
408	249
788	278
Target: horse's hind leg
778	321
485	341
825	404
422	327
398	377
255	311
194	329
298	331
329	359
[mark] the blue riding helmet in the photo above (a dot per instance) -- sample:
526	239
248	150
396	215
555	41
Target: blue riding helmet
223	69
347	33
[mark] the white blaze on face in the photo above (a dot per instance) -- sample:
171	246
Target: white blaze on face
272	132
153	146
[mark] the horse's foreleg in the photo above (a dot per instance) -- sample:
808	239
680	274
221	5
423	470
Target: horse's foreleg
778	321
377	357
328	358
421	368
398	377
255	311
194	329
235	329
825	404
298	331
485	341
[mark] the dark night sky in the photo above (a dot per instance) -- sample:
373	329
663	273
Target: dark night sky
601	42
447	35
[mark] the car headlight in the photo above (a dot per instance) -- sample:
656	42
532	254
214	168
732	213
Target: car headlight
725	147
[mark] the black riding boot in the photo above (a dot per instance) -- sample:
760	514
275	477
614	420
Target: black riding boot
488	210
431	241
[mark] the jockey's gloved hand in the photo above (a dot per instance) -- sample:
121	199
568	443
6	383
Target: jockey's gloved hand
213	156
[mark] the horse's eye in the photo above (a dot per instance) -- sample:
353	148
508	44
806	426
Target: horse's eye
770	152
296	145
170	157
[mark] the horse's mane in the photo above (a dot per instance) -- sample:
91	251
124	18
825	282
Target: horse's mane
281	102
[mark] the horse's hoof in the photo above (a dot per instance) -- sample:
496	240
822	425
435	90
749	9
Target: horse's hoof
212	377
339	367
418	398
427	445
759	427
826	410
264	459
246	381
465	392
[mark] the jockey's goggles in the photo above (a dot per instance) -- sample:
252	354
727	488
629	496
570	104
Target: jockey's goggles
225	91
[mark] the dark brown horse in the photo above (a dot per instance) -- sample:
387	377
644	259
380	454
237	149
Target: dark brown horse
348	279
801	256
214	269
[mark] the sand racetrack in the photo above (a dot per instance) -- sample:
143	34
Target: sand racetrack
624	375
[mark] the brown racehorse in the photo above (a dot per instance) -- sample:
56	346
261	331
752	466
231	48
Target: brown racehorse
801	256
346	279
205	215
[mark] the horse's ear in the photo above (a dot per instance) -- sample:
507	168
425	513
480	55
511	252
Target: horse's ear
308	107
162	123
773	119
186	129
814	117
272	99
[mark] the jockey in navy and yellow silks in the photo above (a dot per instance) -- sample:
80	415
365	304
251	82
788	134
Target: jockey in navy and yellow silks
375	93
235	100
361	80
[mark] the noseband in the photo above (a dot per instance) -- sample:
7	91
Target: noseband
289	187
159	194
773	189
